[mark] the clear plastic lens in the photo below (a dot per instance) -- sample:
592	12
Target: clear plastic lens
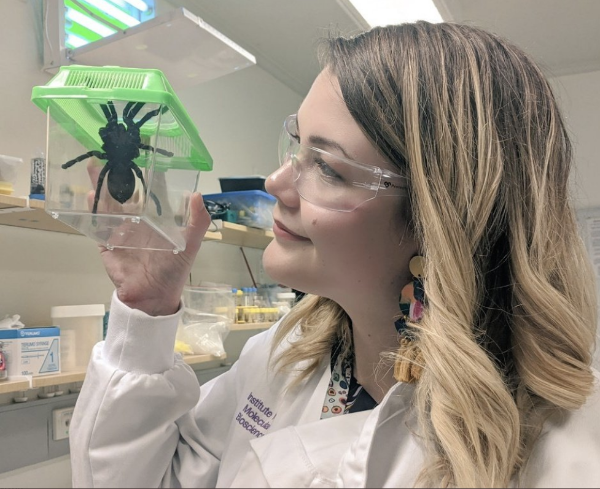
328	185
324	179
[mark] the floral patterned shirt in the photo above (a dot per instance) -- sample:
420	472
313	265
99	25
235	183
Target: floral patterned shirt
344	394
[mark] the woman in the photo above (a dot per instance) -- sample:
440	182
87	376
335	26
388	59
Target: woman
428	162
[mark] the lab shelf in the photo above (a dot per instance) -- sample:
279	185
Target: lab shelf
25	213
13	386
29	213
250	326
239	235
56	379
24	384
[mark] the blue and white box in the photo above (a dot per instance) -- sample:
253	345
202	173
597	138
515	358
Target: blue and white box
31	351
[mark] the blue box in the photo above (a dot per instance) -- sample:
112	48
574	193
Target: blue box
31	351
254	208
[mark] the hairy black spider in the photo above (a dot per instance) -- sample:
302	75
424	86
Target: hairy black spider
122	144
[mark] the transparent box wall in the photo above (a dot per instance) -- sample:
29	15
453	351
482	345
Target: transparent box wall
132	144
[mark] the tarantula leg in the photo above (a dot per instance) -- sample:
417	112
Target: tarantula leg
156	203
140	175
130	111
150	115
163	152
98	189
109	111
112	109
89	154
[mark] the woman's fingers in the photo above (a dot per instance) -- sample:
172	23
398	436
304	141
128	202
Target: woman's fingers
198	225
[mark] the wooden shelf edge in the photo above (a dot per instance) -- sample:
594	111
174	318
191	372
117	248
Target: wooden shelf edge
9	386
10	201
239	235
37	204
23	384
250	326
56	379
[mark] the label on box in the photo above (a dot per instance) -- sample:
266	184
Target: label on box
31	351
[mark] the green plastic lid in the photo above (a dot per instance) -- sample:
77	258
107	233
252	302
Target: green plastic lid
74	96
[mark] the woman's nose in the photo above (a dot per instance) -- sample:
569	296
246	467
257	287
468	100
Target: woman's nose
280	184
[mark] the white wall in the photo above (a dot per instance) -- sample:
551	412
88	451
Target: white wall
579	96
238	117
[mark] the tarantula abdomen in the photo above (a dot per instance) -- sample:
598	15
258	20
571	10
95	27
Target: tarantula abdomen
121	184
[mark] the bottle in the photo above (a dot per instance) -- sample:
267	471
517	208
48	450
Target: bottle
247	296
3	366
38	177
239	306
239	298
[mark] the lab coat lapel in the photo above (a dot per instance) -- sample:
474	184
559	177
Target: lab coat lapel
307	455
386	454
314	408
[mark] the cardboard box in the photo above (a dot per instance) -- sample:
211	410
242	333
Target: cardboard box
31	351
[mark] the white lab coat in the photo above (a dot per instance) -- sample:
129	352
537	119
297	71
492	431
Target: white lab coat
141	420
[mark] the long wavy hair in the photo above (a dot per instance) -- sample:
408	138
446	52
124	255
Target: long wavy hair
509	330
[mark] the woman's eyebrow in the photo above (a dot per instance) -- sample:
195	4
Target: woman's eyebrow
328	143
320	140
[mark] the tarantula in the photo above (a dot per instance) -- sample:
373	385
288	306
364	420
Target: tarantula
122	144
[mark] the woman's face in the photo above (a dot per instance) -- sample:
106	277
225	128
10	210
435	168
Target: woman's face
345	256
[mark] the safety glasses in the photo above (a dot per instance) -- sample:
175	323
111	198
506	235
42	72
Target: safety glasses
330	181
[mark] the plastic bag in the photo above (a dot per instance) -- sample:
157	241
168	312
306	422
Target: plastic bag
11	322
206	320
203	336
8	168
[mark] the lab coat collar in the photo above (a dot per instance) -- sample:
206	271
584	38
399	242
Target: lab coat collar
365	449
386	453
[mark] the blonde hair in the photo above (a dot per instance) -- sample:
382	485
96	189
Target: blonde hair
508	334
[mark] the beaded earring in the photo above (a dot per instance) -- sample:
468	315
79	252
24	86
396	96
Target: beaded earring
409	365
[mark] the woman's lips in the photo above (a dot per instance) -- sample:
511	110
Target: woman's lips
281	231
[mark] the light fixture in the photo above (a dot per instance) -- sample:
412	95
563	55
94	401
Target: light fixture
92	20
89	23
184	47
138	4
385	12
114	12
76	41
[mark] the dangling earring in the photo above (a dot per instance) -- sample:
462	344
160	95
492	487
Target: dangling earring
409	365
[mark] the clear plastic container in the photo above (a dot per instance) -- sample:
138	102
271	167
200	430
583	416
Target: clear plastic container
284	303
80	329
254	208
206	320
123	156
208	301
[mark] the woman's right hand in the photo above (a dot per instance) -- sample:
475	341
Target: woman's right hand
153	281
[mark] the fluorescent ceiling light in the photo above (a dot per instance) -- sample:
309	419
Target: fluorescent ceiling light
385	12
75	41
138	4
114	12
90	23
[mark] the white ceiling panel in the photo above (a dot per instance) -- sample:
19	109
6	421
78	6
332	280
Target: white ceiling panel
562	35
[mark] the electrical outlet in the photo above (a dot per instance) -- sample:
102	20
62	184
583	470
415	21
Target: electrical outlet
61	421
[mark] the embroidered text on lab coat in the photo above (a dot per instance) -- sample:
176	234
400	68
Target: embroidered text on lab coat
255	417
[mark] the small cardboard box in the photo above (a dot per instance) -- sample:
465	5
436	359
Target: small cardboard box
31	351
